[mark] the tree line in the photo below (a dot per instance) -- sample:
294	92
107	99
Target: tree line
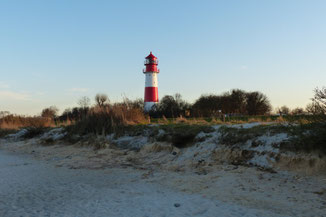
235	102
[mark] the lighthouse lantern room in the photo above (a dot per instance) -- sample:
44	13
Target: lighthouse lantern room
151	90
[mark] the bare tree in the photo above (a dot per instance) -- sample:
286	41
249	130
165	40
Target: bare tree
132	104
298	111
101	99
50	112
284	110
320	99
314	108
182	104
84	102
4	114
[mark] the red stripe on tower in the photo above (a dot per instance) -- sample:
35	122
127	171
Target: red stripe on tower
151	94
151	90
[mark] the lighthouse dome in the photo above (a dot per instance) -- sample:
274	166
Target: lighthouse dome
151	56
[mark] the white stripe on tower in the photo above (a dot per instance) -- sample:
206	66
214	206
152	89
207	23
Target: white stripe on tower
151	80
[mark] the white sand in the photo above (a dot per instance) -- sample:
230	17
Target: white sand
33	188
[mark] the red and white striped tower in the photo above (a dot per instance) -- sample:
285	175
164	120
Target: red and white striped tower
151	90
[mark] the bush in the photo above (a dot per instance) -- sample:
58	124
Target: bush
170	107
307	138
107	119
5	132
182	135
320	99
33	132
74	114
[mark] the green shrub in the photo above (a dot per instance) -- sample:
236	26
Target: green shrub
5	132
307	138
33	132
183	135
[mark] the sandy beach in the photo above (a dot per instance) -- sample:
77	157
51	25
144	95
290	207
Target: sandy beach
71	180
32	188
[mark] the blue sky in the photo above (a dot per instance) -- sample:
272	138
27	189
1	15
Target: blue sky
54	52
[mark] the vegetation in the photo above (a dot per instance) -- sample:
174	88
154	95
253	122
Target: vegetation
11	121
235	102
182	135
319	100
307	138
33	132
105	119
232	136
180	119
170	107
50	112
5	132
101	99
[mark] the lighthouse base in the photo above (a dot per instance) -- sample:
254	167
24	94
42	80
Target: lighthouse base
148	106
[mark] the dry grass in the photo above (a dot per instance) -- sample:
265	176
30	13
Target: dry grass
16	122
162	120
198	121
181	120
217	121
280	119
102	120
126	114
221	120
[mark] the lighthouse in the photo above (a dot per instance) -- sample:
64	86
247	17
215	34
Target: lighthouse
151	90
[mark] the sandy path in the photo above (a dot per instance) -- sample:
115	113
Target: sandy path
30	187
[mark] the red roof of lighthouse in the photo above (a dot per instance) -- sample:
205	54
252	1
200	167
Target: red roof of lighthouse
151	56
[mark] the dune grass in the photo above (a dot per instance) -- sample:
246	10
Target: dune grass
106	120
304	137
4	132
